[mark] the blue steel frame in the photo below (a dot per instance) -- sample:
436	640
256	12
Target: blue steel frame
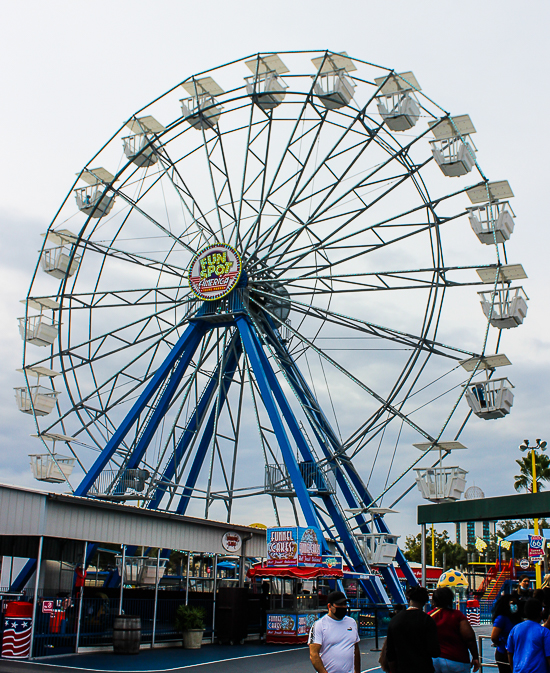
250	340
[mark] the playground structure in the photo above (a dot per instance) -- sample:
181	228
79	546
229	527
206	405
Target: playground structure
188	333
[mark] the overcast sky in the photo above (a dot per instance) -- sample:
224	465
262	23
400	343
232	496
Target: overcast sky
73	72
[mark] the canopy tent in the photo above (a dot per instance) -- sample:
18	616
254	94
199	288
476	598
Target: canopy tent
295	572
521	535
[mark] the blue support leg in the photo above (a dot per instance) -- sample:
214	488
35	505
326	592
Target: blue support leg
327	438
190	337
284	444
202	449
231	358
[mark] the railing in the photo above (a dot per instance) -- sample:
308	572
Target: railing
320	478
490	663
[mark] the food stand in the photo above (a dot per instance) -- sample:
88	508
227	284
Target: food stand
294	561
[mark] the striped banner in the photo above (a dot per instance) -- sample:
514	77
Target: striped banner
16	643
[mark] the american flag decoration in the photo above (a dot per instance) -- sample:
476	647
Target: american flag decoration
16	643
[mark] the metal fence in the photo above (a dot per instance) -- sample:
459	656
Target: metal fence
56	632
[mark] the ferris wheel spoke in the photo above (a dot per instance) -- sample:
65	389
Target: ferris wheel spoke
390	408
294	137
346	218
370	328
254	155
198	217
334	152
134	258
346	242
325	207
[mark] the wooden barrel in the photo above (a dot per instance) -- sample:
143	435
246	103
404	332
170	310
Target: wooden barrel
126	634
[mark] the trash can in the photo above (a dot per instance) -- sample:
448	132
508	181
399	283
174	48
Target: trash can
473	612
126	634
16	641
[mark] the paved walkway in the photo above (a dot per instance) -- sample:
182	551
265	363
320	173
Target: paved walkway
248	658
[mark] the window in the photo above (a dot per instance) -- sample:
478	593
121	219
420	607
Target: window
471	528
457	533
486	531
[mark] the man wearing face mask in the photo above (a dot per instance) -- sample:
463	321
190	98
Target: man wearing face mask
334	639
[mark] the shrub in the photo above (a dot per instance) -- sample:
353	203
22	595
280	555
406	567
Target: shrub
189	617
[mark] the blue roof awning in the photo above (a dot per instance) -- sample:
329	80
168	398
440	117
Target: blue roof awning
521	535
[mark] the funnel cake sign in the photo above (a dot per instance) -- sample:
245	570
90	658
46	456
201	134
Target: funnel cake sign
293	546
214	271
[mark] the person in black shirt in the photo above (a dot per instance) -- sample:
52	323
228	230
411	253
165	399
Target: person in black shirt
412	637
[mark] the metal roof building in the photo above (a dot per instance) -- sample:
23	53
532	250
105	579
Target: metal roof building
28	514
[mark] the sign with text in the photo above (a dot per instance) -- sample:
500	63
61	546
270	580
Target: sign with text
305	622
281	625
536	547
293	546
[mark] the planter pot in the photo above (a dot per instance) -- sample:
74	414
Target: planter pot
192	639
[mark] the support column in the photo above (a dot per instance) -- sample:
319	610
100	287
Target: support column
214	596
122	573
187	579
423	553
156	600
35	597
80	599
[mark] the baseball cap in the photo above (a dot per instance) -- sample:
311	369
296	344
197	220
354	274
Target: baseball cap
336	597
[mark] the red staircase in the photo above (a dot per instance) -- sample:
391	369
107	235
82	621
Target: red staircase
492	584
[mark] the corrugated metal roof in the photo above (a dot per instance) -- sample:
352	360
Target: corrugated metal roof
30	512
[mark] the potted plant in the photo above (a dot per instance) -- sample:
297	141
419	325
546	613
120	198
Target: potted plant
190	622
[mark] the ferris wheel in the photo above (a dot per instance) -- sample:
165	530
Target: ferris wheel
252	300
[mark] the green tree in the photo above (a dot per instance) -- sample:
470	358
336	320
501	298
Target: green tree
455	555
524	480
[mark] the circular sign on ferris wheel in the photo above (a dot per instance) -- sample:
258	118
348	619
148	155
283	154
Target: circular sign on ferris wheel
214	271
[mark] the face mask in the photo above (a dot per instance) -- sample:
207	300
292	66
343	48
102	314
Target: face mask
340	613
513	609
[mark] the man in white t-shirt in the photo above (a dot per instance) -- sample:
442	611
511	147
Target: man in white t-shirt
334	639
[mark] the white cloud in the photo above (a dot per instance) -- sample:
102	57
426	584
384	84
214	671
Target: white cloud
74	75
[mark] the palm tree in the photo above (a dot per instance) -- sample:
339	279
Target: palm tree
524	480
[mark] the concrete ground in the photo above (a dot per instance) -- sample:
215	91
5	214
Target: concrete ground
248	658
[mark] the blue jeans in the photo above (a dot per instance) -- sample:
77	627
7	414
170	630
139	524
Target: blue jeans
447	666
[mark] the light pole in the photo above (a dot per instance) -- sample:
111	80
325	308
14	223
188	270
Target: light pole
525	447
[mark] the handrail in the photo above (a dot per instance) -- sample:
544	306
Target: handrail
480	640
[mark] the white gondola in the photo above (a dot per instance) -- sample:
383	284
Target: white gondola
509	308
139	147
141	569
332	85
202	110
453	149
266	88
492	222
57	262
396	106
53	468
94	199
39	330
490	399
441	483
379	548
39	398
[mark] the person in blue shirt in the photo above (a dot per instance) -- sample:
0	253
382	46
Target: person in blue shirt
505	617
528	644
